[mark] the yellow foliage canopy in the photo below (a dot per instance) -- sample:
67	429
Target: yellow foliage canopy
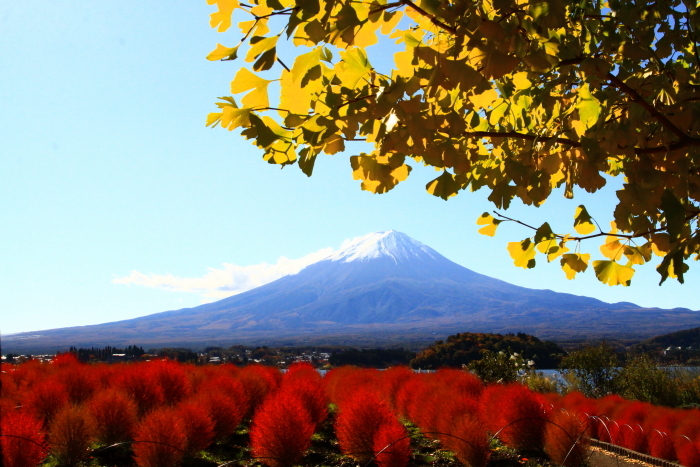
516	97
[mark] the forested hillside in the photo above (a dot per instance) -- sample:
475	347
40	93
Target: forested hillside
461	349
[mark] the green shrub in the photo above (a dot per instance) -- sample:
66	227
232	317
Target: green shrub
594	371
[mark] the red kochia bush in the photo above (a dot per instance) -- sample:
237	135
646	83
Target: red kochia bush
576	403
632	436
344	382
10	391
468	439
18	452
160	439
258	381
142	385
65	360
661	445
522	417
426	411
115	416
45	399
660	426
281	430
301	370
611	405
172	379
198	426
687	452
393	379
391	444
227	403
460	381
81	381
690	425
490	407
631	419
358	422
407	398
312	394
564	439
70	435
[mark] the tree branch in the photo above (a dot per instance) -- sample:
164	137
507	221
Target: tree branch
357	99
636	97
432	18
601	234
386	7
282	63
288	11
571	61
515	134
688	141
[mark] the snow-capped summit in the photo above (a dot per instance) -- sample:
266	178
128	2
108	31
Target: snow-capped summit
390	244
383	287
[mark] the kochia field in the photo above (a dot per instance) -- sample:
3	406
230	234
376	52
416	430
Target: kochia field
162	413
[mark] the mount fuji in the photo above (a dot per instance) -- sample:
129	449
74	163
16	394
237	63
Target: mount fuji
382	288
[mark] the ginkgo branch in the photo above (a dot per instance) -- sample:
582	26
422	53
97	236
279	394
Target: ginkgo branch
693	215
357	99
689	141
514	134
432	18
636	97
288	11
282	63
693	38
386	7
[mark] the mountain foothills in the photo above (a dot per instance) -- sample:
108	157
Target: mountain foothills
381	289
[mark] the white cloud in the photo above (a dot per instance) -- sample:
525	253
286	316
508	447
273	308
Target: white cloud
230	280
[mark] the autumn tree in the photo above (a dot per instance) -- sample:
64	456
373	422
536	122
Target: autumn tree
515	97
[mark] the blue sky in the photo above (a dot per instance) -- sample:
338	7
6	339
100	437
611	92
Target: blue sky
109	173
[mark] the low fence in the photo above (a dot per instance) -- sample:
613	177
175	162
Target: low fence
620	451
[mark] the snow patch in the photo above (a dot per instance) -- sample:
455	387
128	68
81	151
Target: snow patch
392	244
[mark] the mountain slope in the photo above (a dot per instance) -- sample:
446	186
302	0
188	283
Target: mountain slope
384	284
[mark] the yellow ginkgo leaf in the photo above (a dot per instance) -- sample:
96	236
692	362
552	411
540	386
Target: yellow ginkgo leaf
612	250
443	186
490	223
639	254
583	222
293	98
391	19
334	144
485	99
554	251
262	44
366	35
588	107
233	118
379	174
660	243
353	66
213	119
520	80
612	273
573	263
245	81
222	52
222	18
523	253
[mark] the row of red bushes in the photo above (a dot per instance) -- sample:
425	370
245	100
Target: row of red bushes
174	411
671	434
